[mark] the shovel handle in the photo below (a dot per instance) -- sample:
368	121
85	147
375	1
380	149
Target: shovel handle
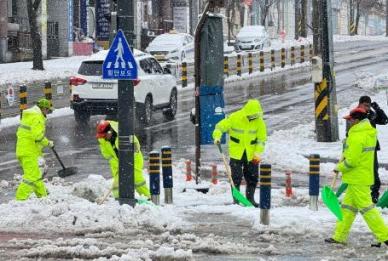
57	156
228	172
334	179
105	196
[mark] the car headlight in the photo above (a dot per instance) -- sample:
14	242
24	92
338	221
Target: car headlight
174	51
257	40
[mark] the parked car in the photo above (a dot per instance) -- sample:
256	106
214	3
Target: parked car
229	47
253	37
155	89
172	46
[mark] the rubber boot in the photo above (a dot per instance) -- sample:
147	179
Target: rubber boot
250	194
379	244
234	200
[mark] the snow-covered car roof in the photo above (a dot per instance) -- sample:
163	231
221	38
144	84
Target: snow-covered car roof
170	38
102	54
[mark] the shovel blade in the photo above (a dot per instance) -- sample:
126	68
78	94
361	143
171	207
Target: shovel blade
383	201
331	201
67	172
240	198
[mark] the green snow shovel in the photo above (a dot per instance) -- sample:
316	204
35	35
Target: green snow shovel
383	201
330	199
235	193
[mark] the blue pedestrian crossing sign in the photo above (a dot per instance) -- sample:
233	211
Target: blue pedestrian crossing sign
120	63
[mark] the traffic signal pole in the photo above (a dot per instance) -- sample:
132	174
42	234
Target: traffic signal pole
326	114
126	112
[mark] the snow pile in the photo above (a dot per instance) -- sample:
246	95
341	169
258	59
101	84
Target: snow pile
17	73
62	211
347	38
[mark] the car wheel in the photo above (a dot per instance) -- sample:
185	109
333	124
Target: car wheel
146	113
81	117
170	113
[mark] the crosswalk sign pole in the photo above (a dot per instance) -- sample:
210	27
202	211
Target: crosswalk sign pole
126	113
121	65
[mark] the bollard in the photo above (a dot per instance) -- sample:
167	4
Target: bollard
261	60
314	181
214	174
239	64
22	98
311	52
288	184
250	63
48	92
189	177
292	55
184	74
154	171
302	54
167	174
226	65
272	59
283	56
265	193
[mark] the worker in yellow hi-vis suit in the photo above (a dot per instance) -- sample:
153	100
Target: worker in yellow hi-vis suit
107	135
31	140
357	168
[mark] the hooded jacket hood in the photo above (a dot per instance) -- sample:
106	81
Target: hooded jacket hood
253	108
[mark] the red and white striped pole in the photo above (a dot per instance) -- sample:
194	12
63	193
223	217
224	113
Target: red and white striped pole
288	184
189	177
214	174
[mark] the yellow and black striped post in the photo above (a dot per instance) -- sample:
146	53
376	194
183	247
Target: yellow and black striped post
250	63
167	174
352	28
239	64
226	65
314	181
283	57
265	193
302	54
154	171
22	99
261	61
321	101
184	74
272	59
292	55
311	50
48	92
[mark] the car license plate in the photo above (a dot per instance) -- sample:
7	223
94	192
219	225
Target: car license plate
160	57
102	86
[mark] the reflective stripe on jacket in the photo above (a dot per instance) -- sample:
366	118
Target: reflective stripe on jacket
31	137
358	157
244	135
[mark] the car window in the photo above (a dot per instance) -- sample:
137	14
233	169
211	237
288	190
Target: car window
156	68
91	68
146	65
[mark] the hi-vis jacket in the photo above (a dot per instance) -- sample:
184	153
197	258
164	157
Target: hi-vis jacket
31	133
358	156
109	153
244	135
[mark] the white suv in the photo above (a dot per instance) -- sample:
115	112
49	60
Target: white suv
155	89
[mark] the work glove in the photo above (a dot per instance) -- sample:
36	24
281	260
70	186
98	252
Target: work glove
375	106
256	159
217	141
51	144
